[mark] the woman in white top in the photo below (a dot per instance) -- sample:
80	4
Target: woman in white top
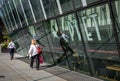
34	54
11	47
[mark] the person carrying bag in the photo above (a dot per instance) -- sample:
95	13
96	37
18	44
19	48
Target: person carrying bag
39	50
34	53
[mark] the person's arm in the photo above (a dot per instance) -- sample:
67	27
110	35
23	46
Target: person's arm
8	45
30	51
14	46
66	36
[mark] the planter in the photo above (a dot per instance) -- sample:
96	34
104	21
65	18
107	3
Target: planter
4	50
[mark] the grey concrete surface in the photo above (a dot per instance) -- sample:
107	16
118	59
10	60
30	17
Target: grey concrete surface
17	70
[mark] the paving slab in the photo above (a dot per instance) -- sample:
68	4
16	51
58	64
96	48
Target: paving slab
17	70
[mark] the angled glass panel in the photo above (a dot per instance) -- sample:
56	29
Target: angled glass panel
6	11
3	16
37	10
20	12
50	7
99	38
28	12
66	5
51	29
10	15
15	13
78	3
117	6
91	1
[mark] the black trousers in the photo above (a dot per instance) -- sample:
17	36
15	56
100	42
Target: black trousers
11	51
37	61
67	48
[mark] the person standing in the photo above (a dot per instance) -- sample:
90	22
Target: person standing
33	54
11	47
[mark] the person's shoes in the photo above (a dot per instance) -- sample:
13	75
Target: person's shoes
11	59
37	68
31	66
72	52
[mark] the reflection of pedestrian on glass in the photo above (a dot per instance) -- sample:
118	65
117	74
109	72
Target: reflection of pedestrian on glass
64	42
33	54
11	47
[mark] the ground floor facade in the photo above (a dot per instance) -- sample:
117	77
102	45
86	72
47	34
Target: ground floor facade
94	32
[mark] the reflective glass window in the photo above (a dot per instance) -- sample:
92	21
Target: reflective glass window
66	5
14	13
78	3
37	9
116	10
50	7
10	15
3	16
28	11
91	1
69	26
99	39
117	5
20	12
43	35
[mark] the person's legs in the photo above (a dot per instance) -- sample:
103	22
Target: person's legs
32	60
12	53
65	51
69	48
37	61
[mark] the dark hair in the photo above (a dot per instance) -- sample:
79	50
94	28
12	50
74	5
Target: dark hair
59	33
12	40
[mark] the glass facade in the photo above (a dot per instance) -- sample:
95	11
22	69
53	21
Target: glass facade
92	25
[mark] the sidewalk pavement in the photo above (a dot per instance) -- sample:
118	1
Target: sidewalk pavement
16	70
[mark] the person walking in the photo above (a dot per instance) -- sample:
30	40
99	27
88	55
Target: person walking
33	54
64	42
11	47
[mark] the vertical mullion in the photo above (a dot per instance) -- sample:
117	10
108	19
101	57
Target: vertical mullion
24	12
43	9
84	3
59	6
32	11
5	21
9	17
17	13
12	14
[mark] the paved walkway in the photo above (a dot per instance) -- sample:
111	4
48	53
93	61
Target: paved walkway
17	70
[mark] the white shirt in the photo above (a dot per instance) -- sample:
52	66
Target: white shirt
33	50
11	45
65	37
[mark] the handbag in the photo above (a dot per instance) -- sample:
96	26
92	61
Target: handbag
41	59
39	50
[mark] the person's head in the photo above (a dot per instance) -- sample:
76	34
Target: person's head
11	40
33	41
59	33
